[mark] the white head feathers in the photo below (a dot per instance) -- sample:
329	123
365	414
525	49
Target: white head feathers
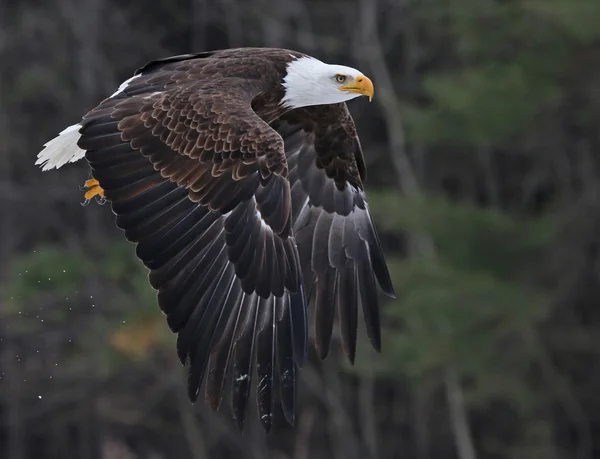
312	82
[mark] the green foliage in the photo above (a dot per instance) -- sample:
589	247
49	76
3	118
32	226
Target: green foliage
46	270
65	278
468	306
578	20
62	272
450	315
508	64
479	105
467	237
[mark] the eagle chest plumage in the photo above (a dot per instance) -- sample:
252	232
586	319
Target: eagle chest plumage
239	176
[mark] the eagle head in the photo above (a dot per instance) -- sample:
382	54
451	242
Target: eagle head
309	81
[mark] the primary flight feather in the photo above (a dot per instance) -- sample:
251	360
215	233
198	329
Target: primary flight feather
239	175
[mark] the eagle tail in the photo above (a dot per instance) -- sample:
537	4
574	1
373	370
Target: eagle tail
61	150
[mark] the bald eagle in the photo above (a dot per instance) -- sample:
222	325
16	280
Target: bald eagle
239	176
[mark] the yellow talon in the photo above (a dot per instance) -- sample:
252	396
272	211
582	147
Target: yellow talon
93	190
91	183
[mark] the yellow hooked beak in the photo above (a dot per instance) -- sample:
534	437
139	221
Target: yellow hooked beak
361	85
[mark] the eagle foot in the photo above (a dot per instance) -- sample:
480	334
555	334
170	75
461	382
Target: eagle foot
92	189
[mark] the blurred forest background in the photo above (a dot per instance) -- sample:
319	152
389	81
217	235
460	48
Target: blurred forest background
483	149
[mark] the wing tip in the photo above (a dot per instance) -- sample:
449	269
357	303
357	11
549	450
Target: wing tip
239	423
289	414
389	291
381	271
192	390
350	353
266	421
214	403
376	344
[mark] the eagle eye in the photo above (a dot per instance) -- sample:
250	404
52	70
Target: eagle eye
340	78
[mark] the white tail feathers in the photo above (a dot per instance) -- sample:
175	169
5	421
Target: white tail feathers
61	150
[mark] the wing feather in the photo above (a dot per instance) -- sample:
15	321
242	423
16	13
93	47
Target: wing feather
285	360
340	252
243	352
221	353
265	362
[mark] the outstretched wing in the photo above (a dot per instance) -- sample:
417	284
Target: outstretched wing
339	248
199	182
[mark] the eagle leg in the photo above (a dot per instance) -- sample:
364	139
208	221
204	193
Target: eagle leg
92	190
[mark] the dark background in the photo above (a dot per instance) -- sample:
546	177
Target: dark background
482	144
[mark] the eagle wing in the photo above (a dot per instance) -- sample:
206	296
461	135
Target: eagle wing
339	248
199	182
